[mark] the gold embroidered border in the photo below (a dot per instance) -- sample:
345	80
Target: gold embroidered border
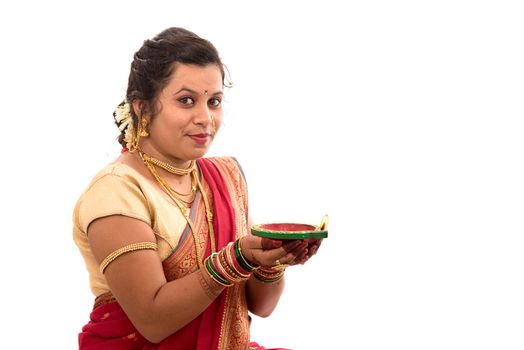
234	332
184	261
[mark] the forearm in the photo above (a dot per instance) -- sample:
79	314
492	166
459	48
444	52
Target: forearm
262	298
175	304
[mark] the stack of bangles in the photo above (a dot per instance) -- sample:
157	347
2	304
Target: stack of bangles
229	266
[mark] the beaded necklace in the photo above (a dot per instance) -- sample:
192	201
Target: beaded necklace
192	170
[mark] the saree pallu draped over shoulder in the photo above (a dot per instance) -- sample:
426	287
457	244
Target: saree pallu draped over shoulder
224	324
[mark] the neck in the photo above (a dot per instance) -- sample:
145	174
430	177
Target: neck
161	156
167	166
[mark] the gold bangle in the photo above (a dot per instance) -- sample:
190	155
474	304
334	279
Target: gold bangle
252	266
126	249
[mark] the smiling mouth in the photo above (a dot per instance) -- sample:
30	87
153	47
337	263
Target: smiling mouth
200	138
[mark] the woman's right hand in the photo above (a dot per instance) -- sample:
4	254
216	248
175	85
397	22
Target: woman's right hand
267	252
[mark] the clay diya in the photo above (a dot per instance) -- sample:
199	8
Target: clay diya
291	230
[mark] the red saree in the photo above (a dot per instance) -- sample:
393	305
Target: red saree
224	324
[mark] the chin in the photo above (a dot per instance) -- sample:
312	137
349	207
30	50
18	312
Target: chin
199	152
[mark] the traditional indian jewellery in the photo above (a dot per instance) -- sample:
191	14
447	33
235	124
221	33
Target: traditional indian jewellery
183	209
166	166
171	190
213	125
147	159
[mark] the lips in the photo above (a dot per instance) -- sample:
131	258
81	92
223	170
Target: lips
201	139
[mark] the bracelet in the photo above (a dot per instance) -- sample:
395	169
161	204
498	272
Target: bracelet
223	269
228	266
215	276
246	265
233	262
269	275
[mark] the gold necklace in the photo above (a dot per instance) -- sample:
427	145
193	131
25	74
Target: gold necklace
166	166
175	193
174	170
185	212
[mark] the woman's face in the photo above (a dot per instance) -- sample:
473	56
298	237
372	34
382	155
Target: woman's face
183	128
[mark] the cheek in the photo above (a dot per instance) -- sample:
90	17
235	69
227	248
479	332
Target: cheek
167	127
218	120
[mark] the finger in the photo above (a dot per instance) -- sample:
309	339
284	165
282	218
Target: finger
293	258
299	259
295	255
313	247
268	244
291	245
269	257
313	250
299	249
315	242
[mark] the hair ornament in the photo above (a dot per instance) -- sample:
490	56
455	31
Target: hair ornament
123	119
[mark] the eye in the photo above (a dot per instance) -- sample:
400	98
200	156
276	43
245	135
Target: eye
187	101
214	102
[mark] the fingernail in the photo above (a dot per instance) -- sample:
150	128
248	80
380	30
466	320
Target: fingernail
277	244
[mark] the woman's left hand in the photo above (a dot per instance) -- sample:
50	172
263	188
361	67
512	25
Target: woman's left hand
312	247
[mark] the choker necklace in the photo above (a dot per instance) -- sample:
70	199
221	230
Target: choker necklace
166	166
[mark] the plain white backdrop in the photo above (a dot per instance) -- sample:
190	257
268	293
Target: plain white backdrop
403	120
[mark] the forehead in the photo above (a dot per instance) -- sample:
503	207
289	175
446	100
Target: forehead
198	78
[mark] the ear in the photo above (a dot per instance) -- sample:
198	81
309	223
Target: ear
137	107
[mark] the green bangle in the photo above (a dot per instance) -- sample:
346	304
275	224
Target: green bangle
241	259
215	275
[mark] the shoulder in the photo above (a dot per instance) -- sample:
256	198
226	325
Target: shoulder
116	170
115	179
227	164
115	189
113	174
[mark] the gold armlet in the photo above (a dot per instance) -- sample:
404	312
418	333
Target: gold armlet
126	249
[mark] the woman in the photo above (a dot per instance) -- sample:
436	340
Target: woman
163	231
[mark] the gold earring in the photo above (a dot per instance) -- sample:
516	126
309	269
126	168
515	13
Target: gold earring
143	128
213	124
140	132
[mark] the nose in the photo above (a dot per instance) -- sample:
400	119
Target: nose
202	115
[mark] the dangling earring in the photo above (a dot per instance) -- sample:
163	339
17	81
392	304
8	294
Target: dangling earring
141	132
213	125
143	128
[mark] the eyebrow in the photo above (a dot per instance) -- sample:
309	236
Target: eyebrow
183	88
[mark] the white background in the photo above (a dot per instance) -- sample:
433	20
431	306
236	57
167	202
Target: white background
401	119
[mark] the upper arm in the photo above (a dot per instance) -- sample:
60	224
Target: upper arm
134	277
114	213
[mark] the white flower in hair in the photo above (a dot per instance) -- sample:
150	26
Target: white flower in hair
125	122
128	135
123	115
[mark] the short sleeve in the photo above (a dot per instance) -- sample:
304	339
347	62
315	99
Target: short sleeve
112	194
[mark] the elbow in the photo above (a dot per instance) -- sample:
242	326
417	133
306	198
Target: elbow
262	311
263	314
151	333
152	329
